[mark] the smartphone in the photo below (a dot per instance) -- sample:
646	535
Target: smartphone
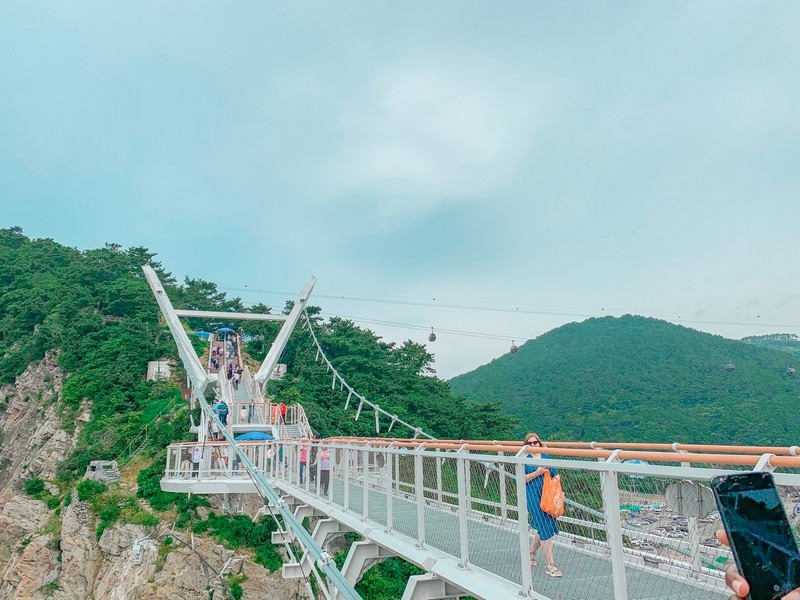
761	539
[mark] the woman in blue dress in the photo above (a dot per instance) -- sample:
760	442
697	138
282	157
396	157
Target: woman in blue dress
545	525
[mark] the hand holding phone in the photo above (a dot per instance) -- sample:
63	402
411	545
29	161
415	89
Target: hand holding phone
738	583
761	539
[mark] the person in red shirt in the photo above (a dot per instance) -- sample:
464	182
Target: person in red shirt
282	407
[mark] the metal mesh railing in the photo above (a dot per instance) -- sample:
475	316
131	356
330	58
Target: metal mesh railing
630	529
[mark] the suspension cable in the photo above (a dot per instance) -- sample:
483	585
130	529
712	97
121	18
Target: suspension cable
351	392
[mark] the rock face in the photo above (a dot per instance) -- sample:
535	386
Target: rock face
33	443
58	557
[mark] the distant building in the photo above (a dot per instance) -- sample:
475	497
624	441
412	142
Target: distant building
278	372
158	369
105	471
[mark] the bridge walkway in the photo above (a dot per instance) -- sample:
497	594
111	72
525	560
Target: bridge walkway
472	529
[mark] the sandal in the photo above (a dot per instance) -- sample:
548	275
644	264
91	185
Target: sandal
534	562
553	571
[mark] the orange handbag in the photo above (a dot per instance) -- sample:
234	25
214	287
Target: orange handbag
552	496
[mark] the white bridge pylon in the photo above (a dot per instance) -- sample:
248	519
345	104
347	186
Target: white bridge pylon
203	383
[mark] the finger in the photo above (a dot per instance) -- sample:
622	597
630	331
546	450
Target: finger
736	582
795	595
722	536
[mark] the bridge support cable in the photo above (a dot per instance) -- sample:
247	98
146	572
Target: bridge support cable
336	378
275	351
323	559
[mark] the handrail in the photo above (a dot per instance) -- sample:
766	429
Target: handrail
749	460
456	493
643	446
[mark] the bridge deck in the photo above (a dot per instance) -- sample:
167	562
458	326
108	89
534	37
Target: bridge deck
587	576
494	545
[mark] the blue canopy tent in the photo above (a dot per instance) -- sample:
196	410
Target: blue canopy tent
224	330
254	435
203	335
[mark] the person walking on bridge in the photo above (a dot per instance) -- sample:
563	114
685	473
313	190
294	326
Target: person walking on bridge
282	408
324	460
544	524
303	462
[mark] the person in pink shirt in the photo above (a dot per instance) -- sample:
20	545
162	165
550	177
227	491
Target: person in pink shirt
303	462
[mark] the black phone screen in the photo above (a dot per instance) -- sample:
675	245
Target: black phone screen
761	538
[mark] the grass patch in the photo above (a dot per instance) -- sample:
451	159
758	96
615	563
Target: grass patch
112	505
163	552
235	585
48	588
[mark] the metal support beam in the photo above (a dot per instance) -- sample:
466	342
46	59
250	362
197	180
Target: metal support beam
610	488
232	316
419	487
462	467
279	344
430	587
362	556
201	381
523	529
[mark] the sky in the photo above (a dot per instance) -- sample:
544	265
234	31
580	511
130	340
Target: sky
492	171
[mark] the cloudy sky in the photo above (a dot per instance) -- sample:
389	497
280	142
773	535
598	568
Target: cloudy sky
492	169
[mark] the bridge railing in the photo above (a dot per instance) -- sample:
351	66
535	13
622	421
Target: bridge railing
622	536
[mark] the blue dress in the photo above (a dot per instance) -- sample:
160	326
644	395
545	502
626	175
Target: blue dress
543	523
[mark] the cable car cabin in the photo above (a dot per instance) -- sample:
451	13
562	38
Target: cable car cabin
730	367
432	336
514	348
791	371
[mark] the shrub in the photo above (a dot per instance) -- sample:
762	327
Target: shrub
34	487
88	488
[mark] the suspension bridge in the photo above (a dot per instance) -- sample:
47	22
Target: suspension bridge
638	525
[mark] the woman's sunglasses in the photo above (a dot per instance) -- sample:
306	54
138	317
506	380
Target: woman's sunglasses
534	443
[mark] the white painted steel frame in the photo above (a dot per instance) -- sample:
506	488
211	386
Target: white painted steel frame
233	316
203	382
275	351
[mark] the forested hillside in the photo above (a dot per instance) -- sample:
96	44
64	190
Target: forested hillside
787	342
95	309
640	379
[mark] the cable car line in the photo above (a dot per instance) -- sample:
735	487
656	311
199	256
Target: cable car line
585	313
477	334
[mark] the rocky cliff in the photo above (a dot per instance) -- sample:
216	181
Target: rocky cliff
55	553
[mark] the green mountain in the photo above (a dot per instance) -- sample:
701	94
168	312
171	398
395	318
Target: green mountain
640	379
786	342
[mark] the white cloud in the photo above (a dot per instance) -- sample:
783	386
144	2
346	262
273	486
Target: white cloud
429	134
